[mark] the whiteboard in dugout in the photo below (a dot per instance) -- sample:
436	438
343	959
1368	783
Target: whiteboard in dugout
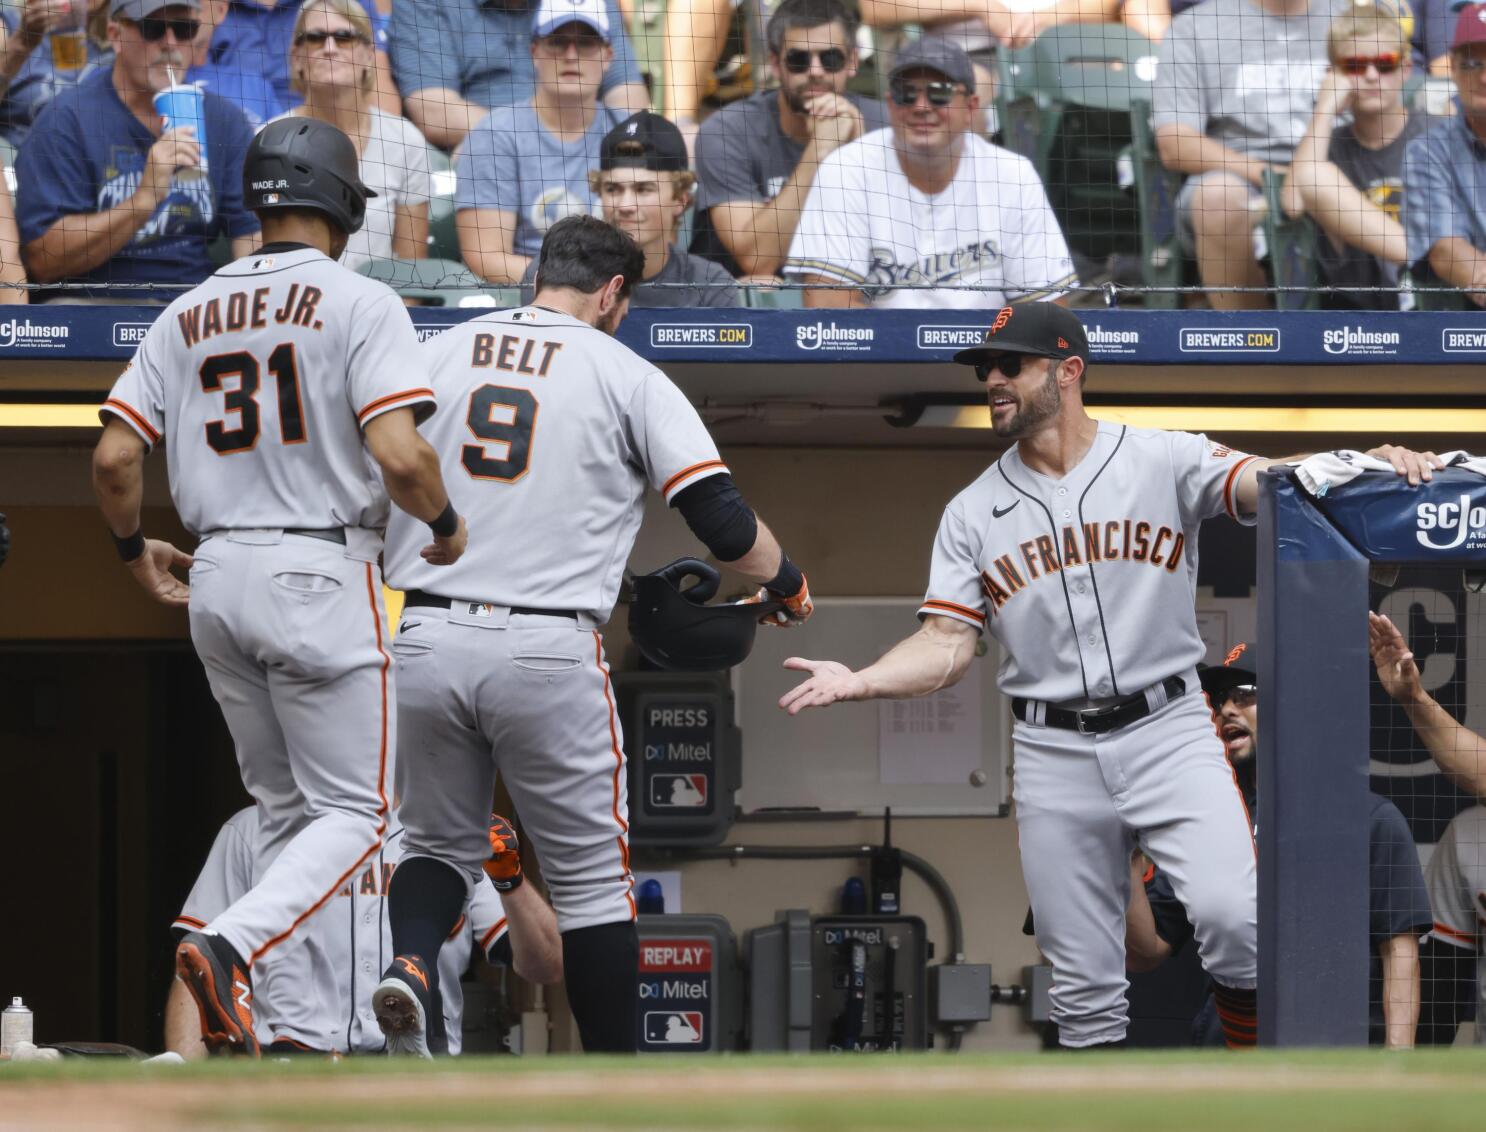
941	755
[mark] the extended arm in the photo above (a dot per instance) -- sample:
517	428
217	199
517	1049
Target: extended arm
1418	467
410	469
1185	149
536	946
1400	956
442	115
935	657
118	482
183	1023
1145	950
487	238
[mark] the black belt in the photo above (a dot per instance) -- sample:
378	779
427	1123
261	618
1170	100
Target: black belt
413	599
1098	721
328	534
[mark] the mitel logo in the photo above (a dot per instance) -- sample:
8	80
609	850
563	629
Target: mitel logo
32	335
950	337
1462	523
833	336
130	333
1462	340
673	335
1219	340
1102	341
1359	340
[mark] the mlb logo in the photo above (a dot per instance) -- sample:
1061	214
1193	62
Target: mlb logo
678	791
673	1027
270	198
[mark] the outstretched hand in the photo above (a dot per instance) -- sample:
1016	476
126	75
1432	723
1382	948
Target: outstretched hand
830	682
152	571
1397	671
1417	466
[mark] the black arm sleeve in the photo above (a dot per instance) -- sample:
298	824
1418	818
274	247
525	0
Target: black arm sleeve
717	515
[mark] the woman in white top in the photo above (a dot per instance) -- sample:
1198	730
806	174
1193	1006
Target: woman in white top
332	63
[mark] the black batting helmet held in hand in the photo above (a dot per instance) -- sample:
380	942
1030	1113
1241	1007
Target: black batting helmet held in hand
675	628
306	163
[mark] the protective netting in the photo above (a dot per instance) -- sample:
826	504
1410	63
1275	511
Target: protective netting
900	153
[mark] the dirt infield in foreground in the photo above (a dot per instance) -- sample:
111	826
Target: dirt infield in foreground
1438	1091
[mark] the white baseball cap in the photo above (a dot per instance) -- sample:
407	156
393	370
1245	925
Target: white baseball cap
552	14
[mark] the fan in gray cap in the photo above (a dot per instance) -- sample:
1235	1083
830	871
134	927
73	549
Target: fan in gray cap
933	53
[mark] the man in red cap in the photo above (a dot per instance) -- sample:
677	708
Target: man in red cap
1445	171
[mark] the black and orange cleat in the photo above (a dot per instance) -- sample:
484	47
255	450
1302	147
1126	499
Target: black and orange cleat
403	1004
219	982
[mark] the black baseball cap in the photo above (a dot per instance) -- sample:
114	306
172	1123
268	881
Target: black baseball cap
1217	679
935	53
1044	329
644	141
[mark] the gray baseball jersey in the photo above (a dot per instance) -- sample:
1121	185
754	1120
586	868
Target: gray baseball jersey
1456	879
1088	582
551	434
260	381
314	993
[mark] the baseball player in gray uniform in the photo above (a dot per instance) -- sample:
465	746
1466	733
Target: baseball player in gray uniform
314	998
550	433
269	384
1078	548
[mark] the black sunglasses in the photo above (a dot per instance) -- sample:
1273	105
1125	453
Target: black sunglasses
1009	365
343	37
797	60
939	94
1244	695
152	29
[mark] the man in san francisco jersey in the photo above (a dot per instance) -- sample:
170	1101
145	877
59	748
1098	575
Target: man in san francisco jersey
1078	548
550	432
269	384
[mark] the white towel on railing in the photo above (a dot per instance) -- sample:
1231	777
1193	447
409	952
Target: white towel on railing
1320	473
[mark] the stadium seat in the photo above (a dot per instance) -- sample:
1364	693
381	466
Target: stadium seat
1162	262
773	298
1067	102
439	283
443	237
1292	250
647	37
1431	293
7	163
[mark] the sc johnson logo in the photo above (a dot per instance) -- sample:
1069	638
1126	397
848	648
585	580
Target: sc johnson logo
1359	340
1450	526
1102	341
130	333
831	336
1462	340
31	335
684	335
1216	340
950	337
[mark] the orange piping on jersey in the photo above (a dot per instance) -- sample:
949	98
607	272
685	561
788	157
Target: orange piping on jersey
684	472
190	922
1466	939
391	398
1233	773
938	605
134	415
382	809
493	934
1228	500
622	839
458	924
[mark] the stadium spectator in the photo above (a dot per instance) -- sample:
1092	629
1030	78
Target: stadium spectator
12	270
1445	171
454	60
331	67
1398	904
250	91
1349	178
1234	88
1015	23
105	197
927	214
254	39
523	168
644	189
45	47
756	159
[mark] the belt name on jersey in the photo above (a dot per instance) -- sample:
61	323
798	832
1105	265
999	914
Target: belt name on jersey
1118	540
205	320
486	354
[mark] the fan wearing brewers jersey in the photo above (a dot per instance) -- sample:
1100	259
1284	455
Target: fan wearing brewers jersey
551	433
1078	550
313	998
280	386
926	213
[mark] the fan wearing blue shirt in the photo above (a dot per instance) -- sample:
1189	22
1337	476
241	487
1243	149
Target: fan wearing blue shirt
105	197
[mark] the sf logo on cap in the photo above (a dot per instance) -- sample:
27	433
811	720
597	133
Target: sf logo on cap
1238	651
1003	316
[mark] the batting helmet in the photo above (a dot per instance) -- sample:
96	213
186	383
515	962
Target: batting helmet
675	628
306	163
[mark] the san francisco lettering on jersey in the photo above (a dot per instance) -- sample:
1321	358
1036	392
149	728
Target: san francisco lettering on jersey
206	319
1127	540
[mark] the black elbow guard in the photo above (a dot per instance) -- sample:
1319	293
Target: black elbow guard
717	515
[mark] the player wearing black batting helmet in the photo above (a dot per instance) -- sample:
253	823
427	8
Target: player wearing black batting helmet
306	163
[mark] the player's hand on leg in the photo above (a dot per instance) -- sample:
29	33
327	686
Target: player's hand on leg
504	866
797	609
1397	671
447	551
152	571
1417	466
830	682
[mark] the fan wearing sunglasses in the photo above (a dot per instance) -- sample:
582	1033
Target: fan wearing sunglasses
928	213
1398	901
1348	178
101	196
